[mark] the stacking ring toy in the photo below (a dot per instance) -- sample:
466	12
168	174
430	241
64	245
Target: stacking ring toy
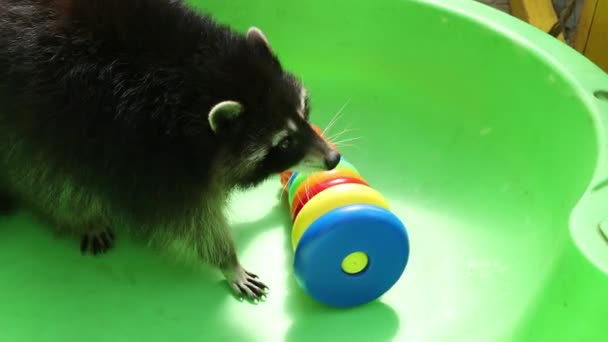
298	179
306	192
300	189
349	247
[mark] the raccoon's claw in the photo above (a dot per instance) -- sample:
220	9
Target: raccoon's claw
247	284
97	241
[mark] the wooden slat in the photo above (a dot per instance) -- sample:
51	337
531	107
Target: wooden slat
538	13
584	25
597	42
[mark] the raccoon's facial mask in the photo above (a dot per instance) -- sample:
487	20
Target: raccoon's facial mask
299	148
223	115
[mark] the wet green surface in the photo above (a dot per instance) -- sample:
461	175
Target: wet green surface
482	143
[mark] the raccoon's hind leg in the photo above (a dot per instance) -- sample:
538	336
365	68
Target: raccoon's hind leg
97	240
80	214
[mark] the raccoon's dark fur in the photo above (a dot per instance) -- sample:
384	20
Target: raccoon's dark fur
140	117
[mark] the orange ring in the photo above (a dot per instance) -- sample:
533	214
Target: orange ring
285	178
320	177
302	199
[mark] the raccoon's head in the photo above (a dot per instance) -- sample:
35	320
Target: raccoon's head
267	129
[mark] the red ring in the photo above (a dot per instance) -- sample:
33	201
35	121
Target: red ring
300	201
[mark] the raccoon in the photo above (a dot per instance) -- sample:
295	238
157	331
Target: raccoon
141	117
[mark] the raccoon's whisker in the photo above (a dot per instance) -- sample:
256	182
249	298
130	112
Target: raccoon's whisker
329	125
336	117
339	134
307	192
334	136
350	146
347	140
283	190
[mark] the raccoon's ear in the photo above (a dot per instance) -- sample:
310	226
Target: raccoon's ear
256	37
223	114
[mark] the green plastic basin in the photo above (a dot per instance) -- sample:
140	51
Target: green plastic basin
488	138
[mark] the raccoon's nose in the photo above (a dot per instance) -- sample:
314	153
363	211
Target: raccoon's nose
332	159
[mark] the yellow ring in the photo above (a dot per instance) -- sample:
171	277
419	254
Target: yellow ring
330	199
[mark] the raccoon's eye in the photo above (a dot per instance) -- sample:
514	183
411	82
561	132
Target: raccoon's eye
285	143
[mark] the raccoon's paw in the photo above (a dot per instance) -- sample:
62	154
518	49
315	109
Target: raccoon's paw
245	283
97	241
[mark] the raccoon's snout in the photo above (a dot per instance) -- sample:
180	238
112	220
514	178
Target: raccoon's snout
332	159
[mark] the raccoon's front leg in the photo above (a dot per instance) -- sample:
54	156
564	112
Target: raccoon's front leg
244	282
219	250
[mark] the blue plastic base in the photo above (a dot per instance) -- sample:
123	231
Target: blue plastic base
340	232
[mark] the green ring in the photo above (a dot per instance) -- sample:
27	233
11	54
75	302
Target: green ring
301	177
